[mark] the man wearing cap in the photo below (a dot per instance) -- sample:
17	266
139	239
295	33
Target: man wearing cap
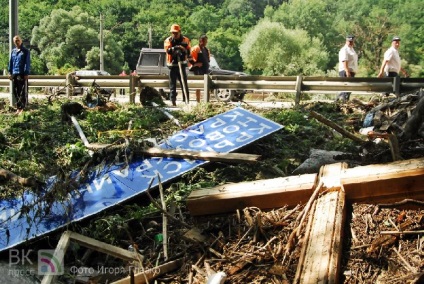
348	64
177	47
391	62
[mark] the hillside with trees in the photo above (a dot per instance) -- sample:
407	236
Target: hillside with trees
273	37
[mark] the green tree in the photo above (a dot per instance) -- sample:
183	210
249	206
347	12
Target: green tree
67	37
203	20
272	49
224	46
111	50
316	17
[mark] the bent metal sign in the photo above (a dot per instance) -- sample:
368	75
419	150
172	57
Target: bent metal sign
30	216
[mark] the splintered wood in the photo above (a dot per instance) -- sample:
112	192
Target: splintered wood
372	257
322	249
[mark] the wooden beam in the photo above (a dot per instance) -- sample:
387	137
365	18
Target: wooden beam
374	183
390	182
321	263
58	255
199	155
269	193
336	127
103	247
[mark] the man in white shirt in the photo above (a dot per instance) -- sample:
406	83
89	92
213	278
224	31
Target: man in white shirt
391	61
348	64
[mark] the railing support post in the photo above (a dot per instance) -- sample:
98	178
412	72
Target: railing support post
132	82
396	85
70	80
206	88
298	90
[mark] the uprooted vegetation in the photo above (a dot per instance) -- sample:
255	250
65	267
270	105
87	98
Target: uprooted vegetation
250	245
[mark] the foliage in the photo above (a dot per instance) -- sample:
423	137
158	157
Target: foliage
70	38
287	52
131	25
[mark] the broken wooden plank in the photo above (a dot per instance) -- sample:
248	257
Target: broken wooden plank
97	146
390	182
58	255
269	193
336	127
200	155
150	274
69	236
103	247
321	263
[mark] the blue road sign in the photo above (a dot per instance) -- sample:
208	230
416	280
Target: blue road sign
32	215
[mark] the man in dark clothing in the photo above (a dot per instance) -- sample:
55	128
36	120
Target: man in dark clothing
19	67
200	60
177	48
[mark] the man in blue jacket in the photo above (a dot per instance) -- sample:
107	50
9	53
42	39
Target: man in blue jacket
19	67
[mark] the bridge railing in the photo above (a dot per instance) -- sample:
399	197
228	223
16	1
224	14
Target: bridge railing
290	84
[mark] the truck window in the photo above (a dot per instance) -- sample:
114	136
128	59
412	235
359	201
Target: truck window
150	59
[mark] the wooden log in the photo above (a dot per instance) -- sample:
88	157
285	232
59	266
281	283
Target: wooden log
336	127
269	193
6	176
198	155
321	263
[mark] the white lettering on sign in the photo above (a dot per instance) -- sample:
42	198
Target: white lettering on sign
177	166
246	122
231	129
216	135
244	137
200	130
261	129
223	144
197	143
234	115
122	172
97	183
9	215
147	170
180	137
218	123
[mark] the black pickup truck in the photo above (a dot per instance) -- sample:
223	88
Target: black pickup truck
152	61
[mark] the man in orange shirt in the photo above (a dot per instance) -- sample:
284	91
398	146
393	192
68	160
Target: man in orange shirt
200	60
177	47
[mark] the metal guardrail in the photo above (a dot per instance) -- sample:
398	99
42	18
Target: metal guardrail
294	84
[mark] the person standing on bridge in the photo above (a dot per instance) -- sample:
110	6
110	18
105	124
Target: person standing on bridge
391	65
122	90
201	57
19	68
348	64
177	47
